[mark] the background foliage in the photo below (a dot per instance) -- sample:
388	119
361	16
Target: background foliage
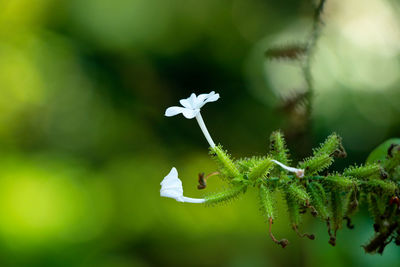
84	144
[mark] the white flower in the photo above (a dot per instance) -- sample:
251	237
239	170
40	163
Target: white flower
192	105
171	187
191	109
299	172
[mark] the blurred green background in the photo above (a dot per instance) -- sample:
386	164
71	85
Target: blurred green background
84	144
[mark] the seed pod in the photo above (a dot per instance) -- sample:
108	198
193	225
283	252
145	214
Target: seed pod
293	210
226	195
313	165
318	199
332	144
339	182
364	172
336	205
260	170
226	165
278	148
266	202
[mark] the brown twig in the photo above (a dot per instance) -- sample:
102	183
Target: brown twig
283	242
332	239
313	211
348	220
309	236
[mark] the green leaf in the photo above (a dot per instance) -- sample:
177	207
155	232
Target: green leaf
380	152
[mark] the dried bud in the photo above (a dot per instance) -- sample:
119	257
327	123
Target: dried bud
202	182
332	241
283	242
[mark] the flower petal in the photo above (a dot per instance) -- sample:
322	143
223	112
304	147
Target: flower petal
171	185
172	111
200	100
192	100
211	97
190	113
185	103
172	175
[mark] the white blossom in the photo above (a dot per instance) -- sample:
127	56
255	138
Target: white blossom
171	187
191	105
191	109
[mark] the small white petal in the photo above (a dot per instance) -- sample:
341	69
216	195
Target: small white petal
172	111
172	175
211	97
186	103
201	98
192	100
190	113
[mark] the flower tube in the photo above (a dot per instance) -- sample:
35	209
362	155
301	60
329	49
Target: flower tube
299	172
